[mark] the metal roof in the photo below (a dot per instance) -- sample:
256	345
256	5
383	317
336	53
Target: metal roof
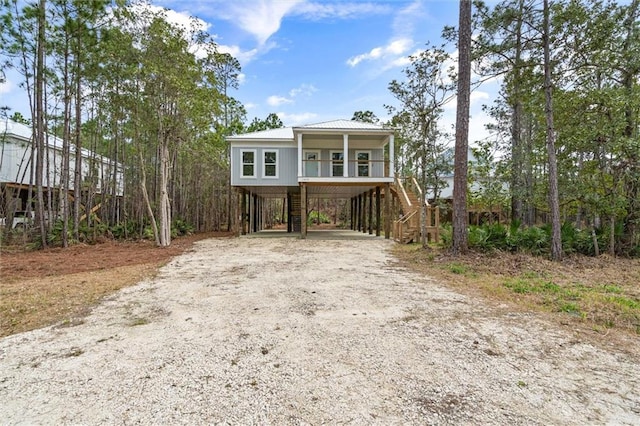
283	133
22	132
287	133
343	125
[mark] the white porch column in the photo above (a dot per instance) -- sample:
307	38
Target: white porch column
392	146
345	148
299	154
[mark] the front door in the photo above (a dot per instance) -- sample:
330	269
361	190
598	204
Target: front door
312	163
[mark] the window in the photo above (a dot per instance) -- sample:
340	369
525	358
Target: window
364	165
311	165
248	163
337	163
270	165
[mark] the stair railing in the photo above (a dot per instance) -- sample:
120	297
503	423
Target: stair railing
405	196
399	225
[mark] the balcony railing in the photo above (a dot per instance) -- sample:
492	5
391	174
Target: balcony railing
356	168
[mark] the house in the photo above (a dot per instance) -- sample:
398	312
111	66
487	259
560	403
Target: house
17	171
342	159
488	184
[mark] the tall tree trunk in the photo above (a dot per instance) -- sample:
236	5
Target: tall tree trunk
40	120
517	151
147	201
66	138
554	202
164	204
77	181
460	214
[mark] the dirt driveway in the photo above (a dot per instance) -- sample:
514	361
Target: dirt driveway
288	331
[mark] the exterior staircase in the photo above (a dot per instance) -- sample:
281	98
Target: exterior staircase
407	228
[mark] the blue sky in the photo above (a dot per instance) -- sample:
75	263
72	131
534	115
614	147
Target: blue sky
315	60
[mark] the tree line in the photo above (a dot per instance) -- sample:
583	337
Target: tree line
155	97
564	144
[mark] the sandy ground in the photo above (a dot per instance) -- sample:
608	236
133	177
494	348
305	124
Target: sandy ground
289	331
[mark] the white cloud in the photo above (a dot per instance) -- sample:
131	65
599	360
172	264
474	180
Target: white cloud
260	18
340	10
263	18
303	90
476	96
390	52
395	52
278	100
297	119
182	19
405	21
243	56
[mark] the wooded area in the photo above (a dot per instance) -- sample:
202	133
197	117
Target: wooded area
564	146
156	98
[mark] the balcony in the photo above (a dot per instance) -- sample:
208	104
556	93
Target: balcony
333	171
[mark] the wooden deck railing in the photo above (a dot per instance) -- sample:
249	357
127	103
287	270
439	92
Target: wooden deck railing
379	171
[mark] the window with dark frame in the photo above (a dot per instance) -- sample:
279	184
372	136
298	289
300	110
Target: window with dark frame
337	163
248	163
363	158
271	164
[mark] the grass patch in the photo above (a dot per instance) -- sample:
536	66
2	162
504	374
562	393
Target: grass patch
136	321
33	303
457	268
572	289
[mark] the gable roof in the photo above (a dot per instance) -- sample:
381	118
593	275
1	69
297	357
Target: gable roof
343	125
283	133
287	133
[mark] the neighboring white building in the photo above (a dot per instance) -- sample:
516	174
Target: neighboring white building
17	168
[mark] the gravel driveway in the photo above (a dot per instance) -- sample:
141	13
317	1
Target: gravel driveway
288	331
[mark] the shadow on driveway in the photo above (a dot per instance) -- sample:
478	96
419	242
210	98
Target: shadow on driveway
316	234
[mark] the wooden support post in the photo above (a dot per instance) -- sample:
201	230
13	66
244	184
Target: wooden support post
255	213
359	209
370	211
437	223
354	214
363	213
303	210
289	221
351	211
394	211
377	211
238	221
243	212
387	212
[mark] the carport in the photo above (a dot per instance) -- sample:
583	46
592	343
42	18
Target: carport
366	203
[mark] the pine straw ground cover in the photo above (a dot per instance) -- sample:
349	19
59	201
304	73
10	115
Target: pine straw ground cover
59	286
601	293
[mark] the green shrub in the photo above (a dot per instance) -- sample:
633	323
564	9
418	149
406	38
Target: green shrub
534	240
314	215
446	235
181	227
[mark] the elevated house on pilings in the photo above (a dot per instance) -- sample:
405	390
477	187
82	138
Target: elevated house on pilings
340	159
102	178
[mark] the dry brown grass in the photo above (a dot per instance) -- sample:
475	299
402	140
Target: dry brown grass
59	286
601	293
